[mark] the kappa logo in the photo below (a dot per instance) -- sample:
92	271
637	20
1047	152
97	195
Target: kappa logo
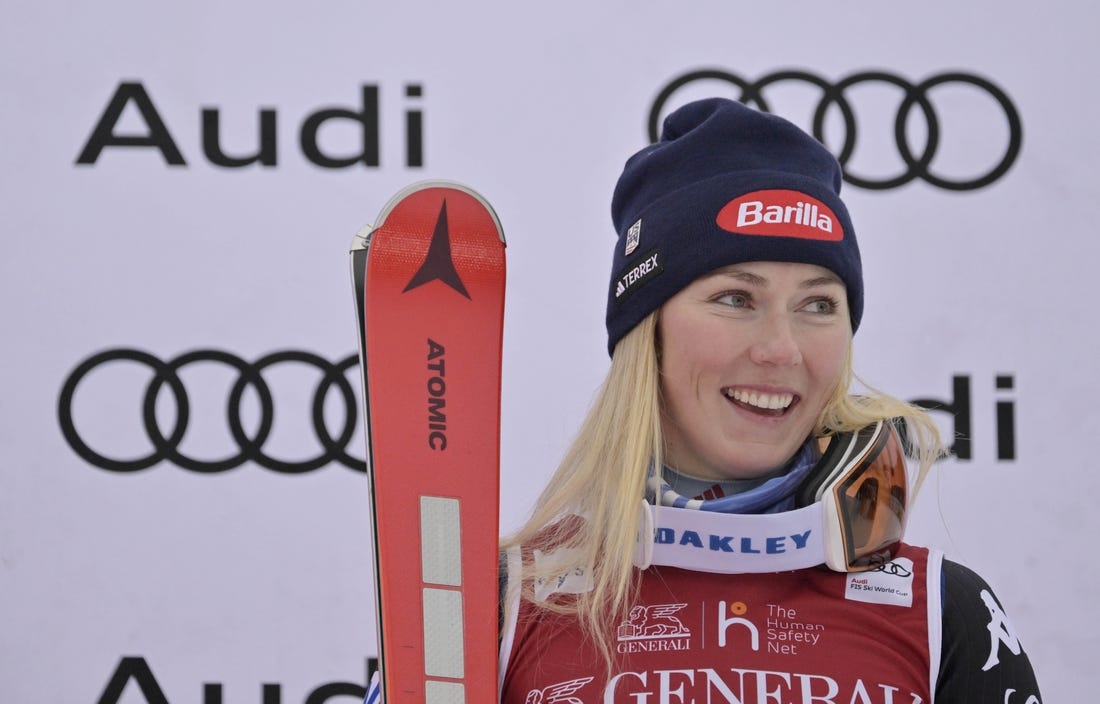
438	264
633	236
632	278
780	213
560	693
1001	632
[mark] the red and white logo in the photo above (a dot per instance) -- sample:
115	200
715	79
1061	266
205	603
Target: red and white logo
780	213
633	237
653	622
560	693
650	629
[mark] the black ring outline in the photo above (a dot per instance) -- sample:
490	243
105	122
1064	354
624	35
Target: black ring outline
917	167
334	449
339	447
166	447
65	409
249	375
1015	130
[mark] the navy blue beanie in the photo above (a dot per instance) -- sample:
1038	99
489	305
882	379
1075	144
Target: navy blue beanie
725	184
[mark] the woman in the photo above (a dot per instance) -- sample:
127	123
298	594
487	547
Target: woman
764	563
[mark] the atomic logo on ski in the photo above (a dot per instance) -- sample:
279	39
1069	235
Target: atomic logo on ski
438	264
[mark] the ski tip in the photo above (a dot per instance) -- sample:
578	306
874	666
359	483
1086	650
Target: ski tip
441	183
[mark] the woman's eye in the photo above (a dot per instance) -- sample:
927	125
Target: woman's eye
734	299
822	306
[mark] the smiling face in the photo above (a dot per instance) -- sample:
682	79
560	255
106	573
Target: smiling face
750	355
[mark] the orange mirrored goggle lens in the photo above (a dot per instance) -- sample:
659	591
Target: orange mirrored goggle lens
871	501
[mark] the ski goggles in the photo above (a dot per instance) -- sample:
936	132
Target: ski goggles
863	489
850	517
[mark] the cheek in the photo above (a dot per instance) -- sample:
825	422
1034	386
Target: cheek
687	360
675	353
688	369
829	360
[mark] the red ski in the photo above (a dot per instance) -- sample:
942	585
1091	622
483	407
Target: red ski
429	282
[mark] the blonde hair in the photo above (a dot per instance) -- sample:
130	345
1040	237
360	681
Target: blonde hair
602	480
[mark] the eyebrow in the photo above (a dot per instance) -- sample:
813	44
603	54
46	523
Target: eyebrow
750	278
821	281
743	276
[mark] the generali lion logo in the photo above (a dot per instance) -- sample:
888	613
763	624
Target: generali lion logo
653	622
560	693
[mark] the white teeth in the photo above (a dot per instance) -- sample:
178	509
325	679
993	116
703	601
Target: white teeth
772	402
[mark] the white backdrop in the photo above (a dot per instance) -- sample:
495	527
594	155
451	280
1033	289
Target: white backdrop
255	585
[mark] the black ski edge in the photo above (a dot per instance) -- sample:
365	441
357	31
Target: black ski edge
359	250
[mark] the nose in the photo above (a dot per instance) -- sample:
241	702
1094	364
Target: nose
775	343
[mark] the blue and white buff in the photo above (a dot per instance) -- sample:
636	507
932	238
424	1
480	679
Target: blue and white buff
756	531
772	496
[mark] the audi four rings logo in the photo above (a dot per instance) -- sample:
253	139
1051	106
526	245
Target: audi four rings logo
250	446
917	159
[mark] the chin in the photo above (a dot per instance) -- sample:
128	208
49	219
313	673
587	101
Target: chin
757	464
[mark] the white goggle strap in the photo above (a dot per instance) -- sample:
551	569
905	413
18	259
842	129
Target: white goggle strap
730	543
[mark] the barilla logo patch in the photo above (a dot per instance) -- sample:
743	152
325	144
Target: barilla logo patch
633	236
780	213
633	277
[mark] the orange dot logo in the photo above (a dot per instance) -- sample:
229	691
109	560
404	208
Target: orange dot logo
738	608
